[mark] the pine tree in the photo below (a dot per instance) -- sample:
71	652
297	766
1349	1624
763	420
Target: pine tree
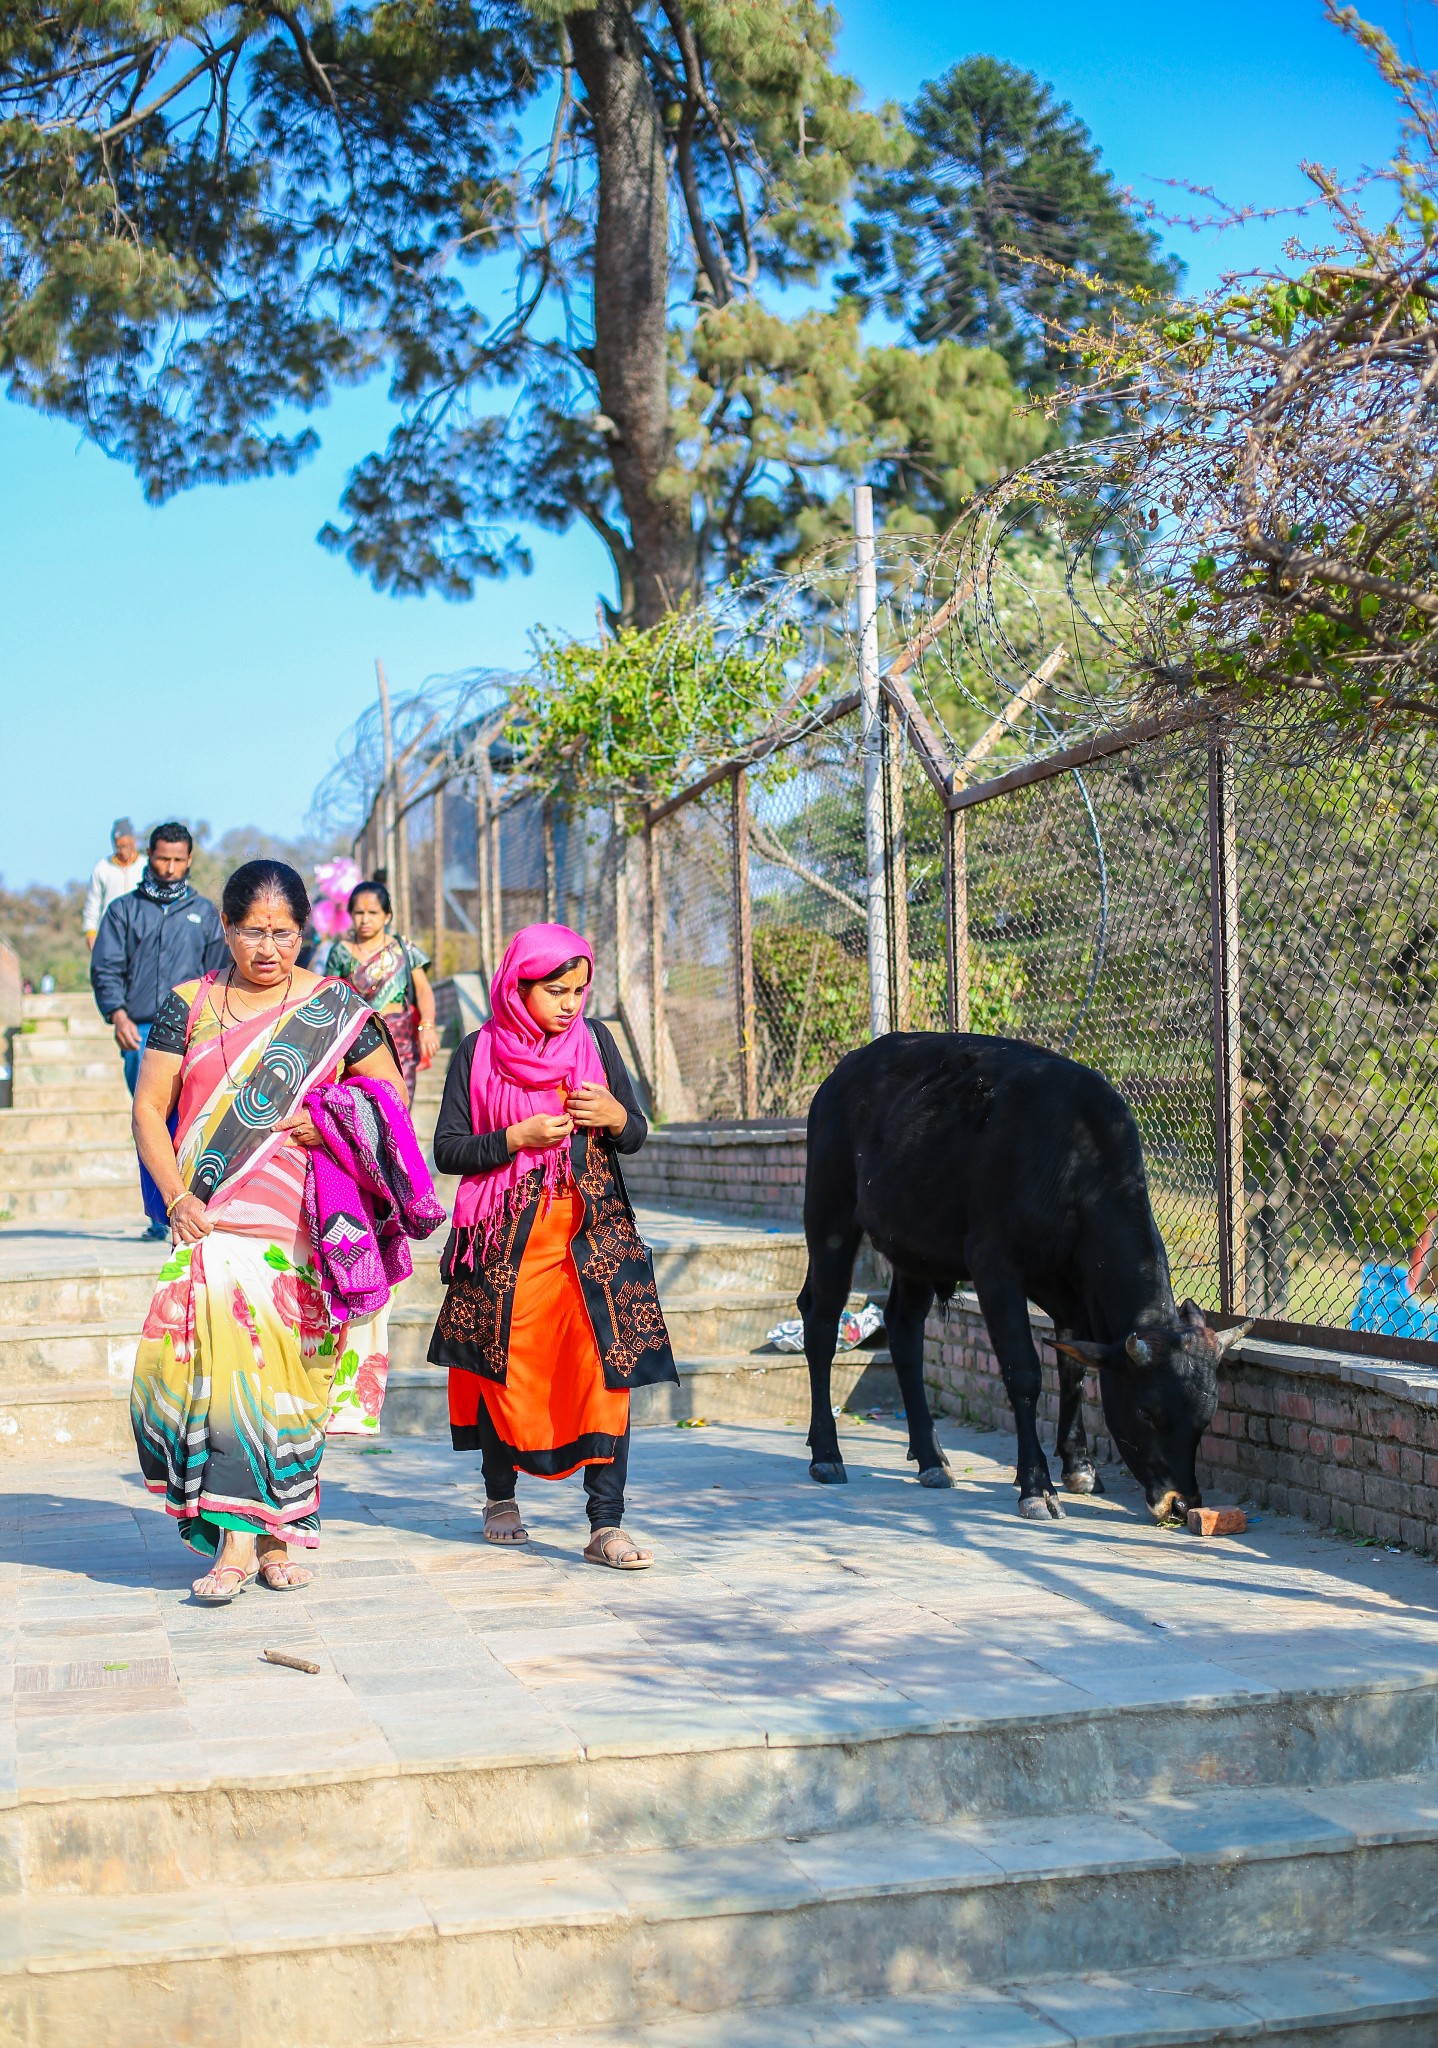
1002	226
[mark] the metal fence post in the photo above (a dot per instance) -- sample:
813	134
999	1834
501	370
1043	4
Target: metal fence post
484	939
1227	1034
956	918
875	864
744	948
437	876
551	890
656	966
901	992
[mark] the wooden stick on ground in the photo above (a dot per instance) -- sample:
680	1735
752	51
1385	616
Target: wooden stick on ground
291	1663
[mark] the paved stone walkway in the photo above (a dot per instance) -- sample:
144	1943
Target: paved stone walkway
777	1610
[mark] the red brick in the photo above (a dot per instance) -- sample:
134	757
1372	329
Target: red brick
1390	1460
1410	1468
1296	1406
1388	1494
1217	1521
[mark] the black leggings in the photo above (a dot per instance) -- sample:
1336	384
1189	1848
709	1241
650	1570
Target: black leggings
603	1484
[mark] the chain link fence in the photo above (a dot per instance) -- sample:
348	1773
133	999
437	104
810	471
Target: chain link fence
1236	927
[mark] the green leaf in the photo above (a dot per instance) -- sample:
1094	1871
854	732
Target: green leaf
276	1258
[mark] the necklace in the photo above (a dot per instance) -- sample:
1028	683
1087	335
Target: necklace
226	1012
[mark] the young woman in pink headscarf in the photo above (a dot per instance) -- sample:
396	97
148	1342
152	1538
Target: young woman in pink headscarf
550	1314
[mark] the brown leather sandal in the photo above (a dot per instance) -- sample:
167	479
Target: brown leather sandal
620	1552
503	1522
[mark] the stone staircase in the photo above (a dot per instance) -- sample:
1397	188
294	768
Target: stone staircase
65	1150
75	1279
1199	1872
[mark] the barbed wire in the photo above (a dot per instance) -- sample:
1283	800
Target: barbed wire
1037	564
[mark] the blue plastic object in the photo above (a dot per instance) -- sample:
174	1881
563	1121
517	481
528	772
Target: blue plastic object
1386	1307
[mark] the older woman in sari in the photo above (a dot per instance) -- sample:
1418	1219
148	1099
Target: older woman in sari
237	1367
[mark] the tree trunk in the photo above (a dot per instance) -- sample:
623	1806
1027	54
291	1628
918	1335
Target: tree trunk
631	279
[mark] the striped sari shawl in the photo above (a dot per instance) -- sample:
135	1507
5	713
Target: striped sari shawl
240	1365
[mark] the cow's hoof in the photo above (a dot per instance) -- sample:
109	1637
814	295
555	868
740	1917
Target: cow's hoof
1083	1479
937	1475
829	1472
1041	1507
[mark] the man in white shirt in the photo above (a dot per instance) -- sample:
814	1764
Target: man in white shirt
112	878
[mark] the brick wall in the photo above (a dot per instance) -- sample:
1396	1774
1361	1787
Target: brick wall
725	1169
1349	1442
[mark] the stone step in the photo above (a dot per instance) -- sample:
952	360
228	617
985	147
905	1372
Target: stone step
30	1094
654	1934
45	1164
78	1201
77	1028
77	1006
52	1063
724	1387
700	1320
55	1419
56	1130
116	1291
1380	1995
687	1262
63	1391
67	1047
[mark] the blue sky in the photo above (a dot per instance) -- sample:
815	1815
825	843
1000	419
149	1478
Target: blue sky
202	658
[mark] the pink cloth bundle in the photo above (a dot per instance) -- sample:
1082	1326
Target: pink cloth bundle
366	1193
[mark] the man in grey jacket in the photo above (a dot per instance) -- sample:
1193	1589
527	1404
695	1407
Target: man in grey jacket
159	935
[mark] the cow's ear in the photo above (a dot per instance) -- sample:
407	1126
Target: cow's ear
1080	1348
1193	1315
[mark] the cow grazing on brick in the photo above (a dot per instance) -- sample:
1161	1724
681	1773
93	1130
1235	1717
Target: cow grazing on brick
985	1161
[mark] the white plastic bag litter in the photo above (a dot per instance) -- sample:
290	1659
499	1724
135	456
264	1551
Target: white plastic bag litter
856	1325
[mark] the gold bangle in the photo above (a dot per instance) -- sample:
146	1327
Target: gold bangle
170	1207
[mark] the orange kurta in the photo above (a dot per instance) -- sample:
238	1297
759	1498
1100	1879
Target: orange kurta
554	1398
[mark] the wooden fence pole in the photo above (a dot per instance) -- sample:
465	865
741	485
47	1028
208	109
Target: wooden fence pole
875	862
744	949
437	873
655	913
551	887
1227	1022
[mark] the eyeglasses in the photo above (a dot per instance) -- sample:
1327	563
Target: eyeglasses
256	936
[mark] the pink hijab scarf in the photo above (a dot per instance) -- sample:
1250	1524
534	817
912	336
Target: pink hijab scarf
521	1071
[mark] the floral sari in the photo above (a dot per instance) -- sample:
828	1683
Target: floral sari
239	1369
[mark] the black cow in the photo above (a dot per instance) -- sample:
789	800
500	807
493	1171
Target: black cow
993	1162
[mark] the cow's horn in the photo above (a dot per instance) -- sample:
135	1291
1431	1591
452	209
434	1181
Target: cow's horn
1139	1349
1226	1339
